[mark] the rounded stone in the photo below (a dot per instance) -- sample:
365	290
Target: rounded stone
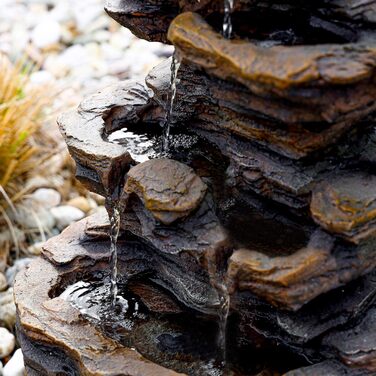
46	33
47	197
7	308
7	342
66	215
345	204
16	366
81	203
168	189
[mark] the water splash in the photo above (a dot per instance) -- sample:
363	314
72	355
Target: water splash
175	65
227	21
142	146
114	234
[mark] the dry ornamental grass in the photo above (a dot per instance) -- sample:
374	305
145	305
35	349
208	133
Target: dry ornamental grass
21	113
23	146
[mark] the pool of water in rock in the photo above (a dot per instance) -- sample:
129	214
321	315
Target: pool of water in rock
179	339
149	320
144	141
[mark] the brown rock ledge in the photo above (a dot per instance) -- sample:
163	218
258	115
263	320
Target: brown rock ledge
291	281
55	323
345	204
101	165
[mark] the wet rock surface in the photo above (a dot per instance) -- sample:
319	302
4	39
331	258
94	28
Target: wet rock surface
269	202
340	20
293	280
168	189
101	165
39	316
345	205
329	316
328	367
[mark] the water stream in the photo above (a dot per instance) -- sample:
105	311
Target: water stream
175	64
183	341
227	21
217	280
114	234
224	308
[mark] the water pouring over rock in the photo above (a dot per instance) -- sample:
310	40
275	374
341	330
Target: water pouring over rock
175	64
227	21
248	247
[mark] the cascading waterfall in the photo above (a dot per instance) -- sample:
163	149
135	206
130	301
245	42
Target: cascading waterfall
175	64
227	21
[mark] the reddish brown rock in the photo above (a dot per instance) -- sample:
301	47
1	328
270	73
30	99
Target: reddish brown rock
292	129
290	281
336	20
285	109
54	323
345	204
101	165
192	242
285	71
169	189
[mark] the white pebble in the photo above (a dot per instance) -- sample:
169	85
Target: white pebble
48	197
7	308
7	342
46	33
66	215
16	366
41	77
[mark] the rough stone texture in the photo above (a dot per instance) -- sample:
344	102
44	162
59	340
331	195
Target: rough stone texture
48	325
146	19
308	331
286	112
168	189
101	165
148	248
331	310
291	281
327	368
300	74
345	204
275	69
55	323
293	129
210	113
356	346
338	19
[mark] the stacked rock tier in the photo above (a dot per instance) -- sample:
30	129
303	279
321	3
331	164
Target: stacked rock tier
275	198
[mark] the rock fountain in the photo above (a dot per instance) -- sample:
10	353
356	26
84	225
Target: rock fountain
248	248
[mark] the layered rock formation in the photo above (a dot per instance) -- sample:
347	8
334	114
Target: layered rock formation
268	189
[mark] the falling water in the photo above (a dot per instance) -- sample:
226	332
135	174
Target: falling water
224	308
175	64
217	281
227	22
114	234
